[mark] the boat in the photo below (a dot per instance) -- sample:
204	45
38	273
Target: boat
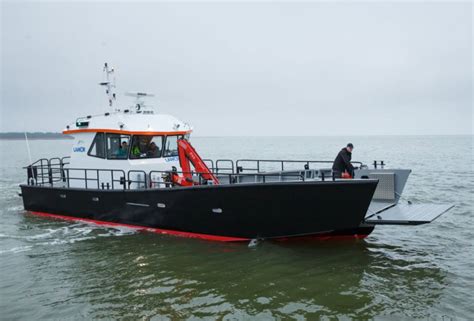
134	167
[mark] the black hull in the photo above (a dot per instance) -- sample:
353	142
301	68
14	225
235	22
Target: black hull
224	212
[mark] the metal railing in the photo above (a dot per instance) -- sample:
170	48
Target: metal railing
140	183
227	178
219	167
94	175
257	164
52	171
210	164
229	162
47	171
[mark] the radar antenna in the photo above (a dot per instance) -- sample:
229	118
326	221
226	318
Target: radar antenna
109	72
140	105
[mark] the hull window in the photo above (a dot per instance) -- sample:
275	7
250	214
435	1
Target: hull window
146	147
97	148
117	146
171	146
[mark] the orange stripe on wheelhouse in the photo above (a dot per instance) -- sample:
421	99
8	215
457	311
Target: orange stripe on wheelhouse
126	132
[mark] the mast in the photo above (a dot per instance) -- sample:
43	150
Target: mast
109	84
109	73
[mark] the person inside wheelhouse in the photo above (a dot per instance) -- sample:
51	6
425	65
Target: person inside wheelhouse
120	146
146	147
123	151
153	151
117	146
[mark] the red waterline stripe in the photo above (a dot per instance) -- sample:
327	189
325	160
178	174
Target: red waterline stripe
321	237
148	229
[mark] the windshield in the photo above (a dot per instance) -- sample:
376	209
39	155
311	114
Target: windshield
117	146
171	146
146	146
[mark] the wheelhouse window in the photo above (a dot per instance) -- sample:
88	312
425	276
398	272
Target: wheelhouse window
145	146
97	148
171	146
117	146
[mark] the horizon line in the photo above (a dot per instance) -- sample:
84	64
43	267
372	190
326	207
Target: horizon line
257	135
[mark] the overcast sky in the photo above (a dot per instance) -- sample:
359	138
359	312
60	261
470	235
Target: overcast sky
244	69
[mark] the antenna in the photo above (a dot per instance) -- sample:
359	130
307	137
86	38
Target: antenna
28	148
139	100
108	84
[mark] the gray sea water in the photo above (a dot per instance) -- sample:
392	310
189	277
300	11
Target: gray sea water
57	270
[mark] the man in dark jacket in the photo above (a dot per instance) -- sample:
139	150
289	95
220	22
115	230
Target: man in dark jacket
342	163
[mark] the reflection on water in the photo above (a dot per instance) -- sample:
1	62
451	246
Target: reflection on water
145	275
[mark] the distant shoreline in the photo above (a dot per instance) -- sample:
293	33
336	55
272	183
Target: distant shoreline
33	136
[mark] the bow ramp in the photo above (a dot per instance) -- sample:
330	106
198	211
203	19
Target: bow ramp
387	207
405	214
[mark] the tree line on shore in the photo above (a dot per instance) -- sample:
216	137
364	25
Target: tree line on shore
34	135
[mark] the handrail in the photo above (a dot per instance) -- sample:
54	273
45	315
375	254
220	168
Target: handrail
211	168
232	177
33	170
45	171
282	163
97	178
231	168
55	168
130	181
62	160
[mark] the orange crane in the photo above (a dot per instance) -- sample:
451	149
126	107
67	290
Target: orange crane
187	156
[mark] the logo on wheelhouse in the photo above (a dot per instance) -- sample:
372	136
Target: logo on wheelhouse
80	149
171	159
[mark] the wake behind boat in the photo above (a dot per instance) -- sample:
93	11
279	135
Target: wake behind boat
136	168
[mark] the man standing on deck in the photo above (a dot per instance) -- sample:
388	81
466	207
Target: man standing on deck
342	163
